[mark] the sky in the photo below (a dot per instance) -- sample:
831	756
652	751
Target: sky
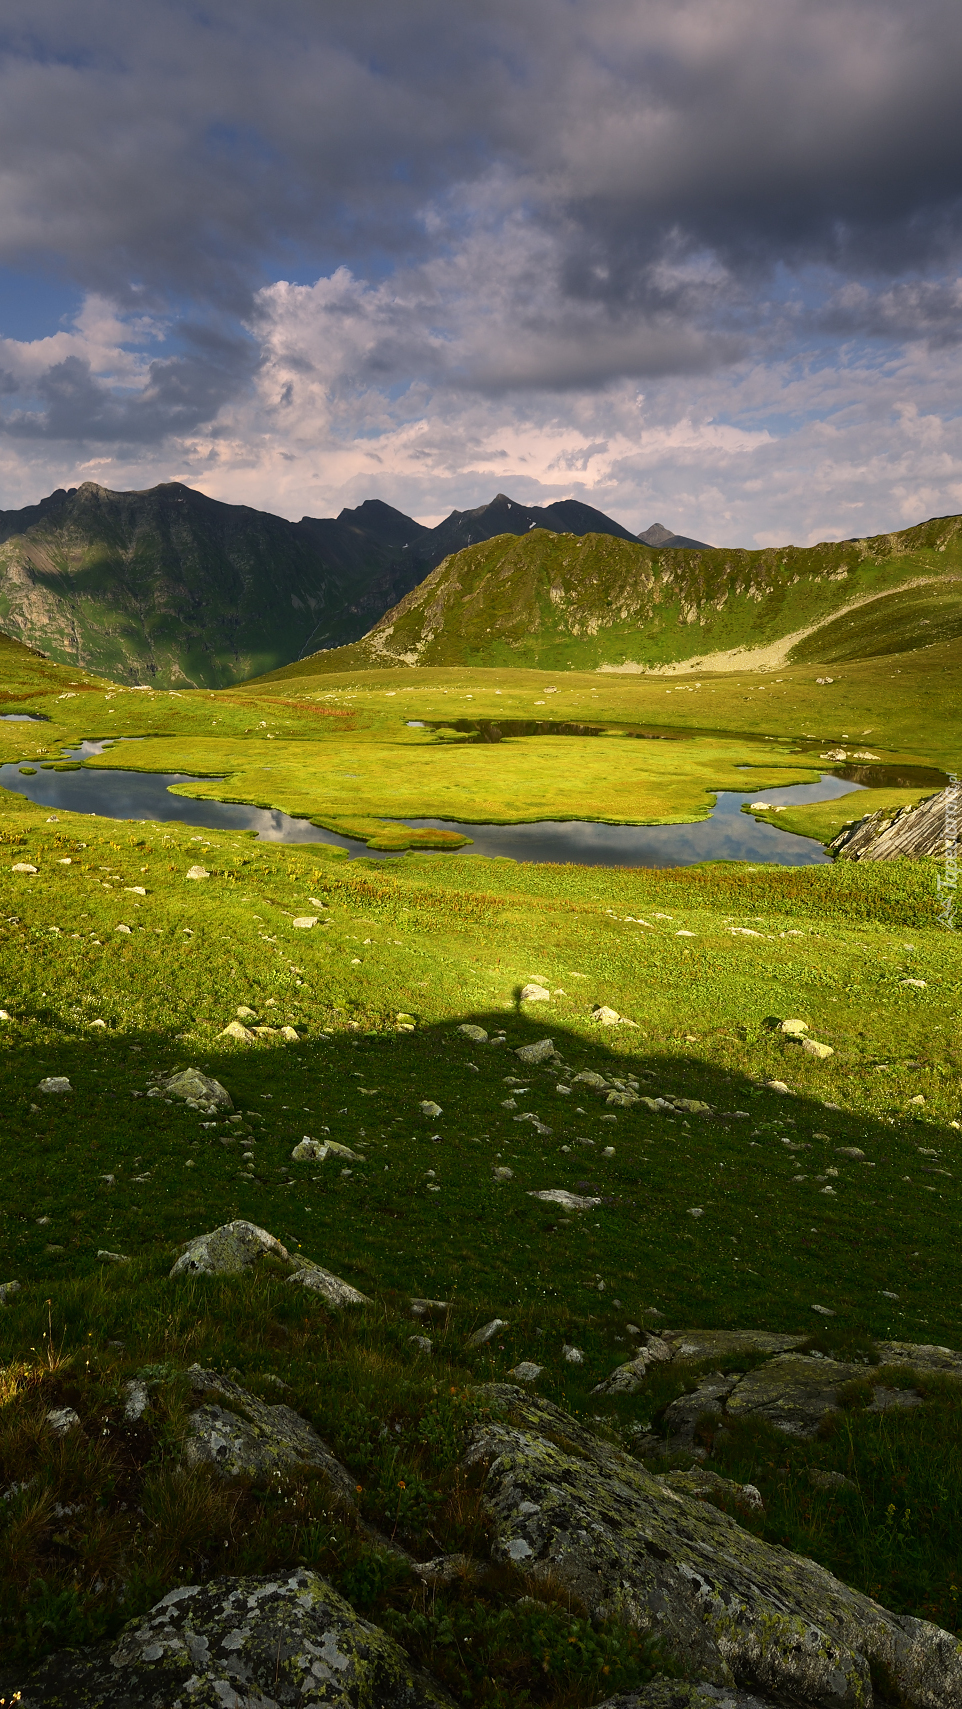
690	261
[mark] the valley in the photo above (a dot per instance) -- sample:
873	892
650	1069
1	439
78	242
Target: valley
706	1170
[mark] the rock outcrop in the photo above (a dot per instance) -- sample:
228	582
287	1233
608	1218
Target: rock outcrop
929	828
285	1642
239	1246
729	1608
239	1435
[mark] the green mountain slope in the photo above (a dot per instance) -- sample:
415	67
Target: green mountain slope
555	601
171	588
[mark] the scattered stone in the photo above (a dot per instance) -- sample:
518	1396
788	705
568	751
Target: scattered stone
23	866
4	1016
567	1201
885	1399
696	1211
794	1028
245	1014
191	1083
605	1017
812	1047
55	1083
236	1031
197	872
131	889
100	1026
829	1480
336	1292
535	994
850	1151
597	1082
423	1343
503	1173
572	1355
776	1086
526	1372
285	1639
628	1378
917	984
290	1034
432	1111
823	1311
304	922
921	1358
541	1051
113	1257
315	1150
228	1250
487	1332
7	1291
725	1604
477	1035
122	929
137	1400
62	1419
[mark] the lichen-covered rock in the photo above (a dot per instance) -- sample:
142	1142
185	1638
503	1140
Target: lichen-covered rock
191	1083
726	1605
703	1484
248	1437
310	1150
693	1345
336	1291
285	1642
681	1417
792	1391
627	1378
542	1050
920	1358
228	1250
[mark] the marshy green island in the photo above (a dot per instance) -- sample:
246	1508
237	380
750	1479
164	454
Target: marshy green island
481	1112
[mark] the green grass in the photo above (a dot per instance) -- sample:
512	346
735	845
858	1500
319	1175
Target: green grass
448	942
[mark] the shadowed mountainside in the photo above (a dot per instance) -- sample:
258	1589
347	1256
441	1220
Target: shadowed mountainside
175	589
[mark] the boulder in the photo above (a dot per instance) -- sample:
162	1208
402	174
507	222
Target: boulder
54	1084
929	828
814	1047
270	1642
477	1035
535	994
320	1281
541	1051
197	872
190	1083
792	1391
228	1250
794	1028
691	1345
240	1436
7	1291
726	1606
487	1332
235	1031
628	1378
604	1016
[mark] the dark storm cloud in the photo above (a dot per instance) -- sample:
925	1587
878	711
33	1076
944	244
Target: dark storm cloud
671	153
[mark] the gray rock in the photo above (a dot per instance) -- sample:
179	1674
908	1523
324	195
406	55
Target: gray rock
136	1400
909	833
683	1414
701	1484
792	1391
567	1201
197	872
320	1281
821	1479
503	1173
315	1150
726	1605
191	1083
535	994
428	1308
228	1250
476	1034
597	1082
240	1034
247	1437
7	1291
921	1358
572	1355
112	1257
423	1343
794	1028
55	1083
273	1642
629	1377
526	1372
812	1047
61	1419
884	1399
692	1345
604	1016
487	1332
541	1051
428	1108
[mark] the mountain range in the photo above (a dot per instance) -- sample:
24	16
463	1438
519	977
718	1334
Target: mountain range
172	588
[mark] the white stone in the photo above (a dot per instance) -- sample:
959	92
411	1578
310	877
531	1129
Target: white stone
504	1173
304	922
605	1017
572	1355
794	1028
235	1031
476	1034
567	1201
430	1109
319	1281
535	994
121	928
61	1419
55	1083
526	1372
487	1332
23	866
812	1047
197	872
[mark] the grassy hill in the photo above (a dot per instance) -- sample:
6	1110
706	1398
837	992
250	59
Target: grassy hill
557	601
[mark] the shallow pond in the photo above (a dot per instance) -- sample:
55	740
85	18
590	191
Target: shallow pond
728	834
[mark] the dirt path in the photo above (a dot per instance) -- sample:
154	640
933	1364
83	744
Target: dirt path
772	657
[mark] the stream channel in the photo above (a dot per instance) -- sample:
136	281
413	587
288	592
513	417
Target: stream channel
727	834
